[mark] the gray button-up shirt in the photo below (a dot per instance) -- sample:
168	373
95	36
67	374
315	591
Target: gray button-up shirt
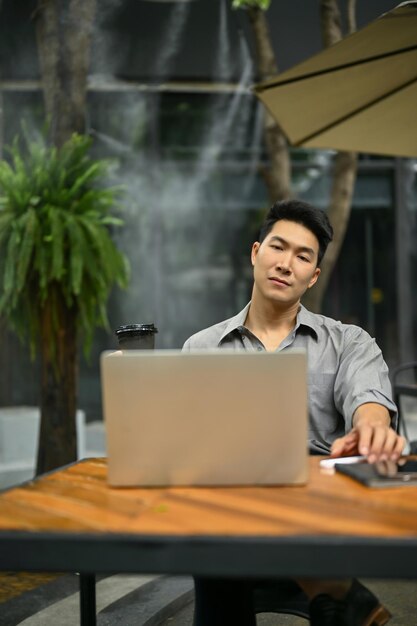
345	368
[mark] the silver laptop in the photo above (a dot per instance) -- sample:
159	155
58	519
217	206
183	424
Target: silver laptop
205	418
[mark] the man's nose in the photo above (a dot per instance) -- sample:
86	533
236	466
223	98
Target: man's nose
284	264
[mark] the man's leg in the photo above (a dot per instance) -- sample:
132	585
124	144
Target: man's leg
222	602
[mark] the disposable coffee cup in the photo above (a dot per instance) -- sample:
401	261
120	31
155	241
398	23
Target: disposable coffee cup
136	336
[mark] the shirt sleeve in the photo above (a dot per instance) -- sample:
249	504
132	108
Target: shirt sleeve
362	377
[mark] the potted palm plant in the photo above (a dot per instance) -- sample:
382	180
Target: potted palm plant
58	264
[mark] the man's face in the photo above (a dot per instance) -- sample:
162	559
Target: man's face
285	263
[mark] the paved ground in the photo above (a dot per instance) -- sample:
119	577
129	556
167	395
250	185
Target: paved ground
159	601
400	597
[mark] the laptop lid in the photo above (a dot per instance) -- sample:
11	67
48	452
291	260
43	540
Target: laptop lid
205	418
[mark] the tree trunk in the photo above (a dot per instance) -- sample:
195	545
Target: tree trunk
331	22
351	16
5	366
344	170
57	439
344	176
64	32
277	176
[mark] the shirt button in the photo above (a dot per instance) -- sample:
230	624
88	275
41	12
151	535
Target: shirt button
259	349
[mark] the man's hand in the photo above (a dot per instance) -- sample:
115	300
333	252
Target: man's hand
371	436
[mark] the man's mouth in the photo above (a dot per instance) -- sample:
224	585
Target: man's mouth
279	281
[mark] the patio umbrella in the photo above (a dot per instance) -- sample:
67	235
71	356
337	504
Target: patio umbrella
360	94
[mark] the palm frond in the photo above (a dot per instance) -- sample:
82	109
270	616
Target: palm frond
6	223
76	254
56	217
56	220
29	226
9	296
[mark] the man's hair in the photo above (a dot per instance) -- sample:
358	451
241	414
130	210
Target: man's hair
303	213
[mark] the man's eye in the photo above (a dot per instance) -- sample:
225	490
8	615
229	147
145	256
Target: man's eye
276	247
304	258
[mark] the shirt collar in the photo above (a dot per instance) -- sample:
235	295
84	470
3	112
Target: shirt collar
308	319
235	322
304	318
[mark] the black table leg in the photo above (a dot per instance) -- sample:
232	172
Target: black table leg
87	600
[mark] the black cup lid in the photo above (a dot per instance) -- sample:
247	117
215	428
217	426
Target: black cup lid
135	329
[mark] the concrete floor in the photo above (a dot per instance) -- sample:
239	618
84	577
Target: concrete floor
400	597
160	601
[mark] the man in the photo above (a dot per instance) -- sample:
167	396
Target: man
350	405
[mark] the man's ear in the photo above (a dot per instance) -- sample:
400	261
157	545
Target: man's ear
314	278
255	249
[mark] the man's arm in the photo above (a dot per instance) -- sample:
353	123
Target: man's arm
371	435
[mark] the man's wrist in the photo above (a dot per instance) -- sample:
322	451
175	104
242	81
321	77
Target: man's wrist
371	415
371	421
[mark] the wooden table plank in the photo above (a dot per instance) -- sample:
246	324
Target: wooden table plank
78	498
71	520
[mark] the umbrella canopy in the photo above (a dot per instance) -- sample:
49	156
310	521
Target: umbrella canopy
360	94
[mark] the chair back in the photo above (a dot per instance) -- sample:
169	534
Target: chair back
404	385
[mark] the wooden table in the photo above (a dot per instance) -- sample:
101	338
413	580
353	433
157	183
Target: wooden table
70	520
